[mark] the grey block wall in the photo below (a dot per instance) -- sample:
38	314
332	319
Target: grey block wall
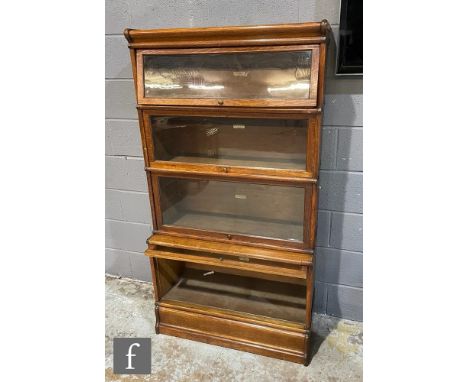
128	221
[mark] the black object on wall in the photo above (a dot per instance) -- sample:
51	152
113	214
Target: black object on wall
350	39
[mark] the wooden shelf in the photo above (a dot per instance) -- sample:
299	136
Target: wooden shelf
241	294
282	256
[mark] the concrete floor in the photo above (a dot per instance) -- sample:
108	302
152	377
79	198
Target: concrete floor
129	313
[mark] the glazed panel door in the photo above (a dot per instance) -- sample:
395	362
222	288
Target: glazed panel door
282	145
230	76
230	209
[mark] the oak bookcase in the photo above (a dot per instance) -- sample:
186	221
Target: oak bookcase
230	121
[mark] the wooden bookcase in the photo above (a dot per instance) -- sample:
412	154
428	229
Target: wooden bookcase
230	121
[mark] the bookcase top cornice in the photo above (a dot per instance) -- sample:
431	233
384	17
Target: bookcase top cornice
277	34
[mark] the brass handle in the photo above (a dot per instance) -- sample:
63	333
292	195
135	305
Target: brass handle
225	169
220	102
229	237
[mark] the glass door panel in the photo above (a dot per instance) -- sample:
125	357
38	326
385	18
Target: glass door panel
245	142
269	211
236	75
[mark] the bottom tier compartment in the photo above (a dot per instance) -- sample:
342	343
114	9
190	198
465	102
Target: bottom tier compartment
241	294
269	296
237	308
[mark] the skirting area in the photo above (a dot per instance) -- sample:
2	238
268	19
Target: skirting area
129	313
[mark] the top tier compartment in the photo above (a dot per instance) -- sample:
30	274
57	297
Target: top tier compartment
269	69
229	77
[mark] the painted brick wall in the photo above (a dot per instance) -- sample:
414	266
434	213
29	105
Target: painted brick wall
339	252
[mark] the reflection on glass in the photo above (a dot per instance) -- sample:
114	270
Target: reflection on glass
254	142
232	207
228	75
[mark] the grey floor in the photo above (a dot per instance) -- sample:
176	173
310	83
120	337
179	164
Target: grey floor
129	313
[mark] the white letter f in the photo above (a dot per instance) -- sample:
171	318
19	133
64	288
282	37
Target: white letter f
130	355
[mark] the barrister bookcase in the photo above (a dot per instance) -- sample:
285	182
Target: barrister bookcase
230	121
